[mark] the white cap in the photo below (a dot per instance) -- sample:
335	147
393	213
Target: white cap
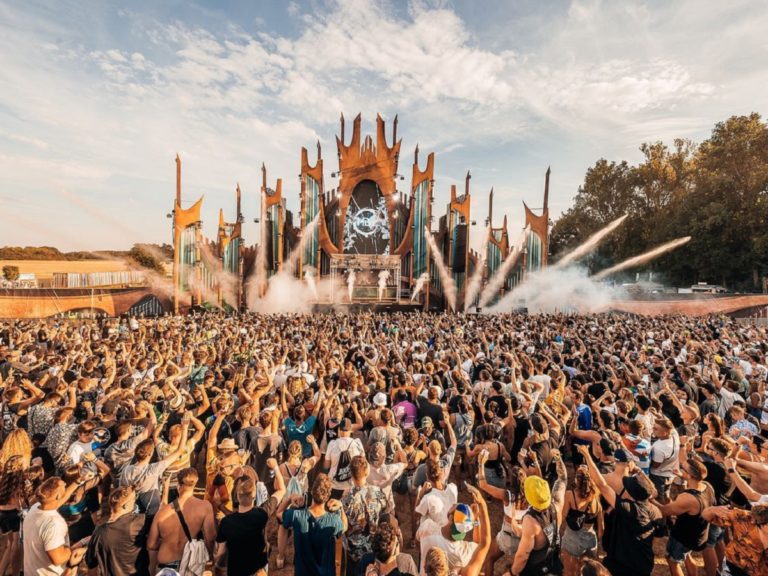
380	399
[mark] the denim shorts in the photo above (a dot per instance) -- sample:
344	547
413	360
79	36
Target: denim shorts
578	543
716	534
676	551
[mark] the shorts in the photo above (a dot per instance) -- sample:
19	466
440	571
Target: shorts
507	542
10	521
716	534
578	543
495	479
676	551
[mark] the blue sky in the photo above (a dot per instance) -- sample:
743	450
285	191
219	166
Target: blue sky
96	98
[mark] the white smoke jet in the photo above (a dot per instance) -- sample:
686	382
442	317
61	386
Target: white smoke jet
306	236
474	284
420	282
286	294
226	281
495	284
310	279
473	287
559	290
449	286
383	277
642	258
591	243
351	277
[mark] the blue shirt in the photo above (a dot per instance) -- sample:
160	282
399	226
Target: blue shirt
584	421
314	541
301	432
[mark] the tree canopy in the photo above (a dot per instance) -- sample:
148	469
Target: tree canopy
716	192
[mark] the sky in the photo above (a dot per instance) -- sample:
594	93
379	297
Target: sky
97	97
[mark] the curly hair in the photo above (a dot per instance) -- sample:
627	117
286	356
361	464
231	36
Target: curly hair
410	436
384	542
516	483
17	443
13	480
717	424
584	486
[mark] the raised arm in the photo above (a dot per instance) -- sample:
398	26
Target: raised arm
475	564
606	491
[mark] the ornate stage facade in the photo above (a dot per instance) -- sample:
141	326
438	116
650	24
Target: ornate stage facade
361	227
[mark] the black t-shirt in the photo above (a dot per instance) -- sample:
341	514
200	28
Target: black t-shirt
243	533
426	408
633	528
522	427
718	479
501	405
597	389
119	548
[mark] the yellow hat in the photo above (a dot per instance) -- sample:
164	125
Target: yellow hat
537	492
718	359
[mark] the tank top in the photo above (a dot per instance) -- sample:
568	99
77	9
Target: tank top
547	559
577	519
463	429
509	515
496	464
691	530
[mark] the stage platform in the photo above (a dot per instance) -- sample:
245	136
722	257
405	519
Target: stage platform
358	307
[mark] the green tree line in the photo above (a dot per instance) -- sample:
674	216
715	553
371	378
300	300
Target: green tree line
716	192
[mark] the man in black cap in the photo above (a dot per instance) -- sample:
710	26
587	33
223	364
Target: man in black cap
629	549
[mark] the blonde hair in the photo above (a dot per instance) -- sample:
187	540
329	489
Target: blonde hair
17	443
436	562
295	450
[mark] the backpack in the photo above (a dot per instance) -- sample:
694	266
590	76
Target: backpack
294	487
195	554
344	468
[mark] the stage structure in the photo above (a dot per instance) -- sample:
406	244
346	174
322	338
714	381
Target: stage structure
366	232
205	274
230	252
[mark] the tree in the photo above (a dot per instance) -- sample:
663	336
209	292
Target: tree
11	273
716	192
608	193
145	258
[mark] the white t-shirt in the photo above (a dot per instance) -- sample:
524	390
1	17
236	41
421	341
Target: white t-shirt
43	530
544	379
459	552
77	449
435	505
665	452
335	448
383	476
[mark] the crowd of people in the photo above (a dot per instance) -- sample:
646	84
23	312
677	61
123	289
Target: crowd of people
384	444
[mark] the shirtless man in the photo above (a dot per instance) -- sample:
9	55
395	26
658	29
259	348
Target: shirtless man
166	539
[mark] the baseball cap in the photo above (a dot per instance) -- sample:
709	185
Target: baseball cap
463	522
537	492
621	455
426	421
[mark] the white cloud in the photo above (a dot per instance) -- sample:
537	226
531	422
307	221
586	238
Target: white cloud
607	76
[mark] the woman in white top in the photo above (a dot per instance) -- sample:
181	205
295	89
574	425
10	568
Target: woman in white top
508	538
